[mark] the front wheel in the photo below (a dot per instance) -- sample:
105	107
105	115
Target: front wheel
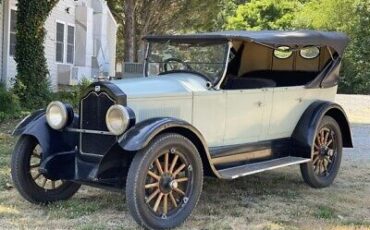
164	182
326	157
29	181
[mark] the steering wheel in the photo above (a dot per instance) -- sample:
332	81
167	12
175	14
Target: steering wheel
168	61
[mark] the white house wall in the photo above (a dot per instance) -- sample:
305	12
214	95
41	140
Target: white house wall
92	20
58	14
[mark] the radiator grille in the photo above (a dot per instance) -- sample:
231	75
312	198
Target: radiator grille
93	110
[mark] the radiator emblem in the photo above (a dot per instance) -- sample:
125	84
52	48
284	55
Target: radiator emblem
97	88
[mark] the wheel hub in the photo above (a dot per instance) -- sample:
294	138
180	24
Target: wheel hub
165	183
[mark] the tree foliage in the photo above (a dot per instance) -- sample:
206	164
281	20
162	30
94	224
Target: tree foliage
162	16
31	84
264	15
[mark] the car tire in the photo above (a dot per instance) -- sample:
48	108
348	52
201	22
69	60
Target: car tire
326	155
178	183
28	180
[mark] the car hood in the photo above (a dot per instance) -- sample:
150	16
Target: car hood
164	85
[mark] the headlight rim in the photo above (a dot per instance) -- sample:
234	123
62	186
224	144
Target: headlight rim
64	113
125	121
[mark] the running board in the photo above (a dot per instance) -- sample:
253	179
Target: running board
252	168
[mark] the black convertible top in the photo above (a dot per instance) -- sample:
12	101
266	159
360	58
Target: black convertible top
336	40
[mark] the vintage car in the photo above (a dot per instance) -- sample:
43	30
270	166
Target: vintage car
222	104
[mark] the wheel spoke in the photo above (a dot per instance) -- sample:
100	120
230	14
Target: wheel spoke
165	204
329	142
174	161
155	176
326	137
178	170
159	167
151	197
328	159
322	137
158	202
166	156
53	184
185	179
179	191
37	176
44	182
154	185
36	155
173	200
315	160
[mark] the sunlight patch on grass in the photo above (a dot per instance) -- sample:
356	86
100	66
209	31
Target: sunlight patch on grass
8	211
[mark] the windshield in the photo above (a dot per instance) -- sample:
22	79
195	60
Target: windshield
205	59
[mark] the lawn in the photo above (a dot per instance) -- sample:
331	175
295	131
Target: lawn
272	200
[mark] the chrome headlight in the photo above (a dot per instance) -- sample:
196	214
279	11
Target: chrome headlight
117	119
57	115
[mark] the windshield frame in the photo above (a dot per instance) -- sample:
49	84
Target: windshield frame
217	82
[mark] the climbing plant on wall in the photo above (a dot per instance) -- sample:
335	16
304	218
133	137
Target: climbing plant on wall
31	83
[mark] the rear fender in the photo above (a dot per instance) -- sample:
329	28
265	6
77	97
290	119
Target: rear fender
304	133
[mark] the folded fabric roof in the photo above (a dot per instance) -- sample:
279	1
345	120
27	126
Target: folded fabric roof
336	40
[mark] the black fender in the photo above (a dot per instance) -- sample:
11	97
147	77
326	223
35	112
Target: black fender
304	133
50	140
140	135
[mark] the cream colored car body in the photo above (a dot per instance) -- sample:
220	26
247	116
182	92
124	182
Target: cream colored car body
224	117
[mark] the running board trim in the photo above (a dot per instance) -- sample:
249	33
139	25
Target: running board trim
253	168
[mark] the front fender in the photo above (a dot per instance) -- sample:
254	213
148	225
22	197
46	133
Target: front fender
50	140
139	136
305	131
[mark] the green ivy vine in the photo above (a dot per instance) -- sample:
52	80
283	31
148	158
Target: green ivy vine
31	83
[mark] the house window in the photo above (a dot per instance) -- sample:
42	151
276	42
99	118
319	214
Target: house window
13	32
60	43
71	45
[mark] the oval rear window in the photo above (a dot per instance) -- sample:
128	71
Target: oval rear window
310	52
283	52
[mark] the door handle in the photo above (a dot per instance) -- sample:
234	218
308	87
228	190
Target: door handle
259	104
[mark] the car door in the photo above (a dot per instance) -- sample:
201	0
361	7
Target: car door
209	115
246	114
288	105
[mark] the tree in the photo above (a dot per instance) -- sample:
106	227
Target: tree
264	15
31	84
351	17
159	17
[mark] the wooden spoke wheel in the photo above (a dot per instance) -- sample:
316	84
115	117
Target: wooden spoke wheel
29	181
167	182
325	151
39	179
164	182
326	155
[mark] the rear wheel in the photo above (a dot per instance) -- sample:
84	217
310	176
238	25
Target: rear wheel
30	182
327	155
164	182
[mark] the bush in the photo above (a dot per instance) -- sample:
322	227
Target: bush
9	105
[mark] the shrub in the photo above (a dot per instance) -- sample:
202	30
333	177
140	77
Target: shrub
73	95
9	105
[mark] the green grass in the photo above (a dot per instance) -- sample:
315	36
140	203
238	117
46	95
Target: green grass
325	212
6	147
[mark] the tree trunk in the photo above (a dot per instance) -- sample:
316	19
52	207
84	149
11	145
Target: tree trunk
129	37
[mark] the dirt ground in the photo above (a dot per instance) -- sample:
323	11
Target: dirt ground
277	199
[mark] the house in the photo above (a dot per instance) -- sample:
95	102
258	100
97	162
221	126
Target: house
80	41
